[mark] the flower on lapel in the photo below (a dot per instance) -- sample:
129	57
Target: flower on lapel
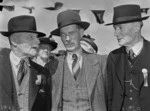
38	80
145	74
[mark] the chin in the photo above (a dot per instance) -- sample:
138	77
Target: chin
33	53
45	57
121	43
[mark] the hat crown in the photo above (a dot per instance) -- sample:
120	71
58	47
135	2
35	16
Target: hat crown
126	12
22	23
49	42
68	17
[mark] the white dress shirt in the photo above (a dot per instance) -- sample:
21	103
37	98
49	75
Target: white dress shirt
137	48
70	60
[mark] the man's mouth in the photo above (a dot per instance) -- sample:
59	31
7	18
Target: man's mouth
69	45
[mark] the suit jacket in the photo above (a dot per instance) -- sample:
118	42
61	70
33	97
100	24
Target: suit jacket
116	69
8	95
94	69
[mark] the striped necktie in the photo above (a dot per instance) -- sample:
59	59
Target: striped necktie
22	71
131	56
75	66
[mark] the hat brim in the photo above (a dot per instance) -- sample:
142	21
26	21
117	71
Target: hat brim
7	34
52	44
91	43
128	21
84	25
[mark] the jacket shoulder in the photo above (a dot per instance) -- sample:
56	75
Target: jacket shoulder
4	55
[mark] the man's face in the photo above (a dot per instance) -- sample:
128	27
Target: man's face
25	43
125	34
44	51
70	36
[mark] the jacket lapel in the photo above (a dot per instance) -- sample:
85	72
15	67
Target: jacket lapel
121	66
57	78
144	61
6	77
91	70
33	88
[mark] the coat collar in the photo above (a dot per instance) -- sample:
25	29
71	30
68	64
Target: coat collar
33	88
121	65
145	62
92	68
6	76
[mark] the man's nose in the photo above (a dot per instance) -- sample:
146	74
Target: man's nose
116	33
37	41
67	38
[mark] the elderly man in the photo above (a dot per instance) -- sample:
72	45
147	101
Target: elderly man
128	66
78	80
19	86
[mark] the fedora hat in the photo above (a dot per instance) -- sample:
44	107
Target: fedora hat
68	17
51	43
23	23
89	40
127	13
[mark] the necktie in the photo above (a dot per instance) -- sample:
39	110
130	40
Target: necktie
22	71
131	56
75	66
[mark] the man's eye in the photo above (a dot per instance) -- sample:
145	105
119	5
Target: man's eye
71	33
62	35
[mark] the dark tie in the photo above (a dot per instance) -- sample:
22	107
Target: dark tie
131	56
22	71
75	66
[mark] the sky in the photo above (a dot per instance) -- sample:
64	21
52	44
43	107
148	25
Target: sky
47	20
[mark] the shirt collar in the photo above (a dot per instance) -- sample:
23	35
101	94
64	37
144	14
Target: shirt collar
78	53
14	59
137	47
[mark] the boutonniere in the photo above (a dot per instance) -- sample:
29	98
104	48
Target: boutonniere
38	80
145	74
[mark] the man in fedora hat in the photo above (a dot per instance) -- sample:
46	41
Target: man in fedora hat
128	66
88	44
19	90
78	80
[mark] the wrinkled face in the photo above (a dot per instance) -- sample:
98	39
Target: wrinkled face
25	43
44	51
70	36
125	34
87	47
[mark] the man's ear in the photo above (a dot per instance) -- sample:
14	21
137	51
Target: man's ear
137	26
12	42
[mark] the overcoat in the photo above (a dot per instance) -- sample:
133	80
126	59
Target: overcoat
116	71
8	94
